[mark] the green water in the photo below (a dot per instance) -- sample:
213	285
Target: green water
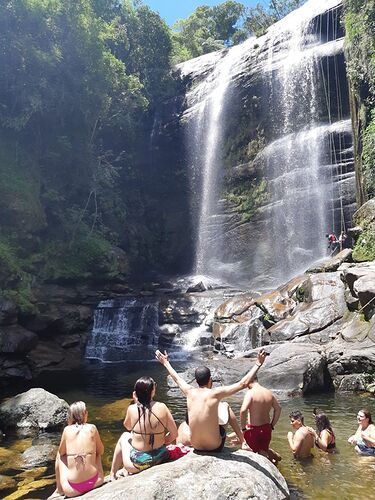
107	389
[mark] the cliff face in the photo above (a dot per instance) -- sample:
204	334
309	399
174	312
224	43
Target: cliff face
267	144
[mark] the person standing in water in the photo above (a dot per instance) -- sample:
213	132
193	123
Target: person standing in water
302	442
323	435
364	438
255	419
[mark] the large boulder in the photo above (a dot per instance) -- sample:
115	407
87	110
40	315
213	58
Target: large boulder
235	308
8	311
308	318
351	357
16	339
14	367
59	319
351	274
38	455
35	408
331	264
364	288
324	303
240	338
294	368
237	475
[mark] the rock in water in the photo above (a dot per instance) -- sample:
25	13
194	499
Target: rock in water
35	408
237	475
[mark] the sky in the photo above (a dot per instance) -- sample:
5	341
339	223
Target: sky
171	10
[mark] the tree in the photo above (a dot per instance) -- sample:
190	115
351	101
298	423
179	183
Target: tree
206	29
259	18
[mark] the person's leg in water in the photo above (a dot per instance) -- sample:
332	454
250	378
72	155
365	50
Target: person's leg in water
121	457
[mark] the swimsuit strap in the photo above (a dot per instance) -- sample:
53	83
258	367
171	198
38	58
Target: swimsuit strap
79	458
151	434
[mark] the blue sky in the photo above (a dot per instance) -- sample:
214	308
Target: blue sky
171	10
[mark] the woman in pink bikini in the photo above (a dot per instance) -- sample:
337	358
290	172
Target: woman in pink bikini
78	463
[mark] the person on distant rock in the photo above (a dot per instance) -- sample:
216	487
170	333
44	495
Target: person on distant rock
342	240
323	435
151	427
364	438
203	403
332	242
78	463
302	442
255	419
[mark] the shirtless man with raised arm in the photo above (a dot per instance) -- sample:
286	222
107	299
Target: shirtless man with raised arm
255	419
302	442
203	402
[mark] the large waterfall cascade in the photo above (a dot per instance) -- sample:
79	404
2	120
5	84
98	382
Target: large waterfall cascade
295	74
307	160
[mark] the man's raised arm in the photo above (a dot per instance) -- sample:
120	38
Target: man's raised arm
228	390
163	359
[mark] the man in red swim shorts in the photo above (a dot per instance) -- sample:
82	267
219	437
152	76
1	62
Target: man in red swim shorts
256	424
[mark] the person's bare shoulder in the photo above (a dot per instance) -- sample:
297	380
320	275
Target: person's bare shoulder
159	407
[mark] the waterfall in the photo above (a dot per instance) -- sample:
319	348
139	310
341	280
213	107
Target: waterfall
124	329
205	136
287	91
300	188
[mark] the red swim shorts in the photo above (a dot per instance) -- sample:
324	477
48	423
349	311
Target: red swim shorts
258	437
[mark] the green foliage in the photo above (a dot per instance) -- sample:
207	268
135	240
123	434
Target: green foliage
87	257
242	147
260	17
77	83
368	155
248	197
15	283
206	29
359	22
364	249
20	207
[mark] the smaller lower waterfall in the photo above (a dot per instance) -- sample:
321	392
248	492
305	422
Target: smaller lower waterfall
124	329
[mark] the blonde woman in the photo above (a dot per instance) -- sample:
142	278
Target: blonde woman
78	463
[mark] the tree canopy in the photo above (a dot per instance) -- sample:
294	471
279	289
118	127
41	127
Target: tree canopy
213	28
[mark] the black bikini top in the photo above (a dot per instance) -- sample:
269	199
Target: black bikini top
142	408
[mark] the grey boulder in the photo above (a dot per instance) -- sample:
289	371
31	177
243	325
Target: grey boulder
35	408
237	475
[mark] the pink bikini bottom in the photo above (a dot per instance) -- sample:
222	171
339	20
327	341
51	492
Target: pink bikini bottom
85	486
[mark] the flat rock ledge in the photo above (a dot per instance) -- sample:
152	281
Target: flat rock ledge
236	475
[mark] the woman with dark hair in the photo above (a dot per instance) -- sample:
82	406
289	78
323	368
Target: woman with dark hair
364	438
324	435
150	427
78	463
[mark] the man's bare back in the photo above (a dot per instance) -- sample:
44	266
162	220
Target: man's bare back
302	442
258	403
256	422
307	443
203	402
